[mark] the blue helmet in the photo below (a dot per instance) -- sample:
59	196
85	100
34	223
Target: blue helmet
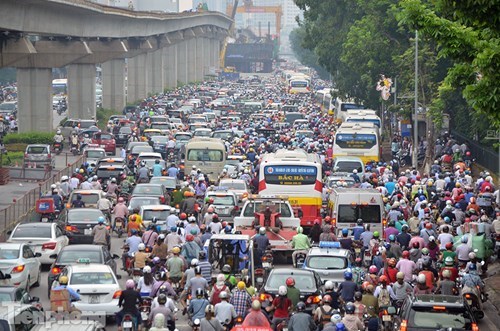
421	198
368	168
392	237
340	327
345	232
228	229
457	205
173	229
347	275
100	220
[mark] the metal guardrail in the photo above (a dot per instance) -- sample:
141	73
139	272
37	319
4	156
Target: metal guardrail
21	208
484	156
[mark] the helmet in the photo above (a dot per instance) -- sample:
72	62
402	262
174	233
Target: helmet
301	306
465	239
130	284
199	292
141	247
345	232
425	251
63	280
299	229
210	210
156	260
146	269
197	270
392	237
446	273
262	230
373	269
290	281
113	180
202	255
349	308
376	234
241	285
226	269
189	237
347	275
447	219
63	178
223	295
400	275
358	296
176	250
182	216
406	254
162	299
336	318
449	261
282	290
327	299
194	262
329	285
421	279
472	255
392	262
383	279
100	220
448	245
255	305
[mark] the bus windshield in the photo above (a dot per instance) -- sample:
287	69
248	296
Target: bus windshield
299	83
355	140
365	120
211	155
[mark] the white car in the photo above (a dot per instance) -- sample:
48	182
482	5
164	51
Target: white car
44	238
160	212
19	266
97	285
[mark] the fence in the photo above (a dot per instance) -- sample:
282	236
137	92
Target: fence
21	209
484	156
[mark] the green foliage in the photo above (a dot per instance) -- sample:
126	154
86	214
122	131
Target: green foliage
305	56
103	114
29	138
11	158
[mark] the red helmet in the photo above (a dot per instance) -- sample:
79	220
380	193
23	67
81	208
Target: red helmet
406	254
224	224
189	237
467	153
373	269
290	281
183	216
428	226
317	221
467	219
449	246
383	279
392	262
327	219
365	285
327	299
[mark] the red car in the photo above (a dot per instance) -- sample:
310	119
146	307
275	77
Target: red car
106	141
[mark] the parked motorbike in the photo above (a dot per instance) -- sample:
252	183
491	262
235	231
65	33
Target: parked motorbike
473	297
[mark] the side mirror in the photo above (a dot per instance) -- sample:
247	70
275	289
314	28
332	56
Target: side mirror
115	257
40	254
34	299
118	276
9	232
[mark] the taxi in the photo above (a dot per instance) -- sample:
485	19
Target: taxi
329	261
97	285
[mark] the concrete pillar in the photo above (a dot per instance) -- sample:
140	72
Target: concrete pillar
81	91
156	69
137	78
200	59
34	88
216	53
192	66
170	61
182	62
113	84
206	57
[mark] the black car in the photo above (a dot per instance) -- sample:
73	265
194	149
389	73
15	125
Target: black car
159	144
123	135
307	282
70	255
79	223
436	312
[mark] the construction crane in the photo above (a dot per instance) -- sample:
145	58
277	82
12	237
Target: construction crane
248	7
231	33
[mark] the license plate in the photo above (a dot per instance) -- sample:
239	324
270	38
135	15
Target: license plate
127	324
144	316
386	318
87	232
94	299
469	302
357	250
285	329
45	219
266	264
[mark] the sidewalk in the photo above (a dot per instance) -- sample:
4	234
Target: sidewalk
14	190
493	285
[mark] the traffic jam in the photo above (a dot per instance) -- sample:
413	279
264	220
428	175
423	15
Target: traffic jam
258	204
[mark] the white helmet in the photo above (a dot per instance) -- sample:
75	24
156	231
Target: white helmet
223	295
421	279
194	262
141	247
53	186
355	171
262	230
63	178
282	290
58	132
329	285
146	269
336	318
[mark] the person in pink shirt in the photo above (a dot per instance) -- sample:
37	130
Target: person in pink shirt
418	239
406	266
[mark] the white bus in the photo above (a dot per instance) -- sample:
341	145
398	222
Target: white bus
207	154
296	174
357	139
60	86
341	107
364	116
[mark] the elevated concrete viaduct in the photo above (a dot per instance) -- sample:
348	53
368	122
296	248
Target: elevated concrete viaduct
139	52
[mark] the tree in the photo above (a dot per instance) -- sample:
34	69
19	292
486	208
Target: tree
305	56
467	32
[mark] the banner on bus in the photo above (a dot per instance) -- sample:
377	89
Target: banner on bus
290	175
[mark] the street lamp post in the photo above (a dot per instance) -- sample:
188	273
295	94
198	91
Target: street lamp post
415	119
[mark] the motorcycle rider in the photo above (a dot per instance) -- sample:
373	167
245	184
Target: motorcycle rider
300	244
100	233
350	320
445	285
324	312
261	244
129	300
472	283
59	139
292	293
169	318
301	321
86	141
74	141
256	317
347	288
224	311
281	306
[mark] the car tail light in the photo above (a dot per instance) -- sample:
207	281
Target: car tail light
468	296
313	299
334	221
162	199
17	269
475	327
404	325
49	246
127	317
71	228
55	271
264	297
236	208
117	294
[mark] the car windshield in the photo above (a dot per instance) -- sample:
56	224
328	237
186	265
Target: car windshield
222	135
125	129
160	215
85	216
70	256
9	254
351	213
37	150
95	154
140	149
259	207
86	124
167	182
233	185
159	139
95	278
326	262
226	200
32	232
147	189
210	155
104	137
440	319
136	203
304	282
90	198
348	166
182	137
340	182
5	297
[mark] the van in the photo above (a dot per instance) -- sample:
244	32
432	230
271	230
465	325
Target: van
348	164
347	205
207	154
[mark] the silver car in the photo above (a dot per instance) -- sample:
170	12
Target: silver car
39	156
329	261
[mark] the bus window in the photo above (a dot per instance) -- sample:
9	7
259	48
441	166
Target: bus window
205	155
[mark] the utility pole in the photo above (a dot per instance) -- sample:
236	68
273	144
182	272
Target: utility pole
415	115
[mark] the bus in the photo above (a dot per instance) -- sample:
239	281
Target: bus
324	99
364	116
357	139
341	107
298	85
296	174
207	154
60	86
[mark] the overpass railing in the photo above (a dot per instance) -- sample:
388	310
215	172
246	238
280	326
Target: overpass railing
483	155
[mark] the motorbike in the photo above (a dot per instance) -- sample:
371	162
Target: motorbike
75	150
136	274
282	326
47	210
474	299
300	259
119	226
129	323
145	309
57	148
388	318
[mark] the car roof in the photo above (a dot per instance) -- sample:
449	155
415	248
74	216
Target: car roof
36	225
80	191
156	207
8	289
428	300
81	247
89	268
328	251
11	245
292	271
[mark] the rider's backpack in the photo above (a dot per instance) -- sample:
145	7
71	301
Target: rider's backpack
326	315
384	299
215	294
